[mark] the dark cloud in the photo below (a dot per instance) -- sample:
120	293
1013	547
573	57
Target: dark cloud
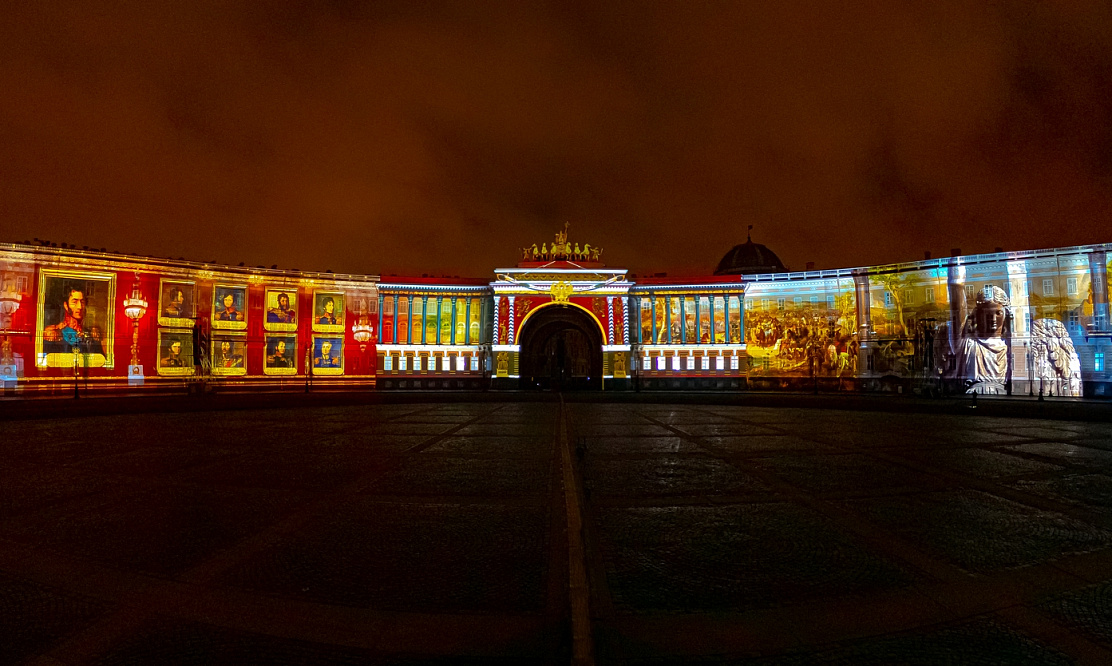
424	137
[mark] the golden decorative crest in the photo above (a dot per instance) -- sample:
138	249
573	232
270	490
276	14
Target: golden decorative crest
561	291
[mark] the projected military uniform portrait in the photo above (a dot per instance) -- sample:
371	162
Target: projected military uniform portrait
281	355
229	355
177	306
175	352
281	314
75	316
328	312
328	355
229	308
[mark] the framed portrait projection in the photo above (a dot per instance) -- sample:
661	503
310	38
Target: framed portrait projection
176	304
281	314
75	315
228	355
229	307
281	355
328	312
175	352
328	355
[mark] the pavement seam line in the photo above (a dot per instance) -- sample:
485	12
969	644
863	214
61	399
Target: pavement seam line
579	592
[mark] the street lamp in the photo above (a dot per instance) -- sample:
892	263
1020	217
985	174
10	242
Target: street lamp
135	306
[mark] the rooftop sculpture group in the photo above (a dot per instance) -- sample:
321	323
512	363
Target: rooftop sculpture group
561	250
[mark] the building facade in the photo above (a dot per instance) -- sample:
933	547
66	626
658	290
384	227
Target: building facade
1009	323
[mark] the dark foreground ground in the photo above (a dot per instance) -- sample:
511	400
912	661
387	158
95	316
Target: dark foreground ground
437	532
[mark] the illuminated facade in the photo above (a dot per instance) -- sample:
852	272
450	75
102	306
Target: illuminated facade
1004	323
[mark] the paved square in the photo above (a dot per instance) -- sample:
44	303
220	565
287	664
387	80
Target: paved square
436	532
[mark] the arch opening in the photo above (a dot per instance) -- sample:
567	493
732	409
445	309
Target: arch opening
561	349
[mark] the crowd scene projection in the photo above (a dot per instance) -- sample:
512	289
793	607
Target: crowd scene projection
562	250
812	337
76	319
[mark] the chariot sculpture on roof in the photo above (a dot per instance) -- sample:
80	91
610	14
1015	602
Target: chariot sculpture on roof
561	250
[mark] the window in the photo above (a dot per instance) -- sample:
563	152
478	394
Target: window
908	298
675	362
764	304
798	302
388	362
417	363
1074	320
733	362
690	362
780	303
830	302
928	294
814	302
474	363
719	362
970	292
888	299
1098	362
748	305
706	363
403	360
647	363
1048	287
460	360
660	362
1071	286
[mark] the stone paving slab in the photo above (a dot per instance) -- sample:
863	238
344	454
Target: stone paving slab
434	532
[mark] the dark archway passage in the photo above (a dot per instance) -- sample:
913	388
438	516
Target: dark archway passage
561	348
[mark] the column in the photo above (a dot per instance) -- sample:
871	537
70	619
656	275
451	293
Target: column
380	309
439	314
740	317
668	318
698	322
610	318
683	321
1098	280
510	328
864	317
726	317
497	300
396	319
467	321
713	332
424	319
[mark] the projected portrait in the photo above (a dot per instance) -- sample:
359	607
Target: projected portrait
328	312
175	352
176	304
228	355
229	305
280	313
281	355
328	355
75	316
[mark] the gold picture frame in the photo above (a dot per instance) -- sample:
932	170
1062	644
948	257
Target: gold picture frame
322	315
177	303
335	349
280	355
96	339
233	316
279	317
168	360
232	361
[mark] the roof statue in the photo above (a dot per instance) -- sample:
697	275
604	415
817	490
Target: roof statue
561	250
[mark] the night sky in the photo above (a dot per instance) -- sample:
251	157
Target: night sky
418	138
